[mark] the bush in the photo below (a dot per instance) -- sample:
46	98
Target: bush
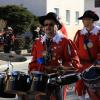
19	43
18	17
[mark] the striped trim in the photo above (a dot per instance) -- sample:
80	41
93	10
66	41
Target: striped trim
69	50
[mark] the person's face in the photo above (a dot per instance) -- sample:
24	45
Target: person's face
87	22
50	27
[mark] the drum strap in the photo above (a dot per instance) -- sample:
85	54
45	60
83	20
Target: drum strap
88	50
47	45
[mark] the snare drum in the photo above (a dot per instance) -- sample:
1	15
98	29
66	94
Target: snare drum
39	82
18	82
2	86
91	78
2	79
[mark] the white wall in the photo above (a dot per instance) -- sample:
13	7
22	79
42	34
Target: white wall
63	5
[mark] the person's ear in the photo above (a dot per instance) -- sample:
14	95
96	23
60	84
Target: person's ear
56	27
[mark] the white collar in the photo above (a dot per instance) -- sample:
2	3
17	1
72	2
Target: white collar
94	31
57	38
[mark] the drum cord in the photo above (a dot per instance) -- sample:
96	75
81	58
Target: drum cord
11	56
9	63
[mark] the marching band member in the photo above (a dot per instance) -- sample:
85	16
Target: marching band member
53	51
87	41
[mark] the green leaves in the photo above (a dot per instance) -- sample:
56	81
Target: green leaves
18	17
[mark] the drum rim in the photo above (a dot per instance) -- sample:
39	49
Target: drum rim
18	73
37	72
2	74
91	79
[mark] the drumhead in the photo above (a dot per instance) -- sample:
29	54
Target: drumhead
18	82
92	74
3	94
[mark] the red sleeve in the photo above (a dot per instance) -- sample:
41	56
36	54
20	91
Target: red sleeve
33	65
71	55
76	38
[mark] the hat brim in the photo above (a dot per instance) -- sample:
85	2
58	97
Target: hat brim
80	18
43	18
95	18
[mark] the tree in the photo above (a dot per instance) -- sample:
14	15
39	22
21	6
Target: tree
18	17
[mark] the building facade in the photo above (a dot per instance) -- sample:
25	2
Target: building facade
65	9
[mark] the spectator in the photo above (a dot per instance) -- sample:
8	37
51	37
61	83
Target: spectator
35	31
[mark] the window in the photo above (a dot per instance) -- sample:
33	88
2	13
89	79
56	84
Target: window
97	3
76	17
68	17
56	11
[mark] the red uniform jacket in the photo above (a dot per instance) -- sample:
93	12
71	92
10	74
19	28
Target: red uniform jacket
93	45
61	48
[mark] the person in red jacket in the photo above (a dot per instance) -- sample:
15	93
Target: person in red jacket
53	51
87	41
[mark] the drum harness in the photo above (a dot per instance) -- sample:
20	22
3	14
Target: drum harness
86	40
9	63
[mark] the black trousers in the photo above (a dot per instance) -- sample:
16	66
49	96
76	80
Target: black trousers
57	92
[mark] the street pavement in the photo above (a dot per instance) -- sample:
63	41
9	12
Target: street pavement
23	66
